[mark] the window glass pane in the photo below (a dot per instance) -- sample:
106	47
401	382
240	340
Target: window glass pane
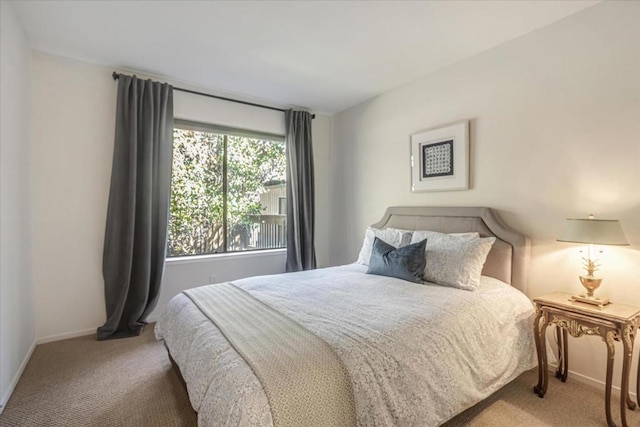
256	171
196	210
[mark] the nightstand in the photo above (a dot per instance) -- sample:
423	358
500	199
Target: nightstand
613	322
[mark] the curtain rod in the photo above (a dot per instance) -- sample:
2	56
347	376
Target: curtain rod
116	76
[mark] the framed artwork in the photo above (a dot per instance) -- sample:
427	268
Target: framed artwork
440	158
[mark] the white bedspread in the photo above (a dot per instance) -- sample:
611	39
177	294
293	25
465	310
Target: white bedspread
417	354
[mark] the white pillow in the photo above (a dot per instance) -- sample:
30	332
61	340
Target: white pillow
454	261
391	236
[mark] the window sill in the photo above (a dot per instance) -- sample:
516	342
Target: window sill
219	257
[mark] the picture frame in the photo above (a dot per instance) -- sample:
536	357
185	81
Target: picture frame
440	158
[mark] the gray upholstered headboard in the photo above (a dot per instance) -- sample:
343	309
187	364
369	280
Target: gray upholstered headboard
508	259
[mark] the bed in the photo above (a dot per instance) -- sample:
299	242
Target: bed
412	354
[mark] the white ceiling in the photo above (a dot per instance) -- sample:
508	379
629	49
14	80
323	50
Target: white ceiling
326	56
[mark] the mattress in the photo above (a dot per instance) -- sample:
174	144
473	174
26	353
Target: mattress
417	354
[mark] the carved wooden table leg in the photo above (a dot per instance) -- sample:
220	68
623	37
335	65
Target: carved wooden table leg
560	352
611	352
563	354
565	338
625	399
536	335
543	377
633	336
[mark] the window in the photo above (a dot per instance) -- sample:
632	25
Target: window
282	206
226	186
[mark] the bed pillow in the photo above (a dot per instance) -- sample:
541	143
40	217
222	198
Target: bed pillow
424	234
406	262
394	237
454	261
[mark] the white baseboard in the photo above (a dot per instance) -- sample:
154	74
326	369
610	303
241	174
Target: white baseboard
66	335
16	377
592	381
81	333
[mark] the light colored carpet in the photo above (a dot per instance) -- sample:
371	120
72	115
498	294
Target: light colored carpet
83	382
570	404
130	382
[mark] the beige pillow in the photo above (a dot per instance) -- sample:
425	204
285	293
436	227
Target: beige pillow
454	261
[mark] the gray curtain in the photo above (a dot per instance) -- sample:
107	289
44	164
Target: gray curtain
138	213
301	254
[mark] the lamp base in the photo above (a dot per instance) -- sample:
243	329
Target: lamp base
593	300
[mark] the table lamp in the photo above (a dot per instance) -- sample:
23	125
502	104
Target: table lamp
592	232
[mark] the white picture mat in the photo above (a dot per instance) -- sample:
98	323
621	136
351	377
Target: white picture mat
459	133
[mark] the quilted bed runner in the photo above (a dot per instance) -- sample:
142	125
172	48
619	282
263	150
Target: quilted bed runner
304	380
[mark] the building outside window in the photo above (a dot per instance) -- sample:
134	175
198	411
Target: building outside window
282	205
226	187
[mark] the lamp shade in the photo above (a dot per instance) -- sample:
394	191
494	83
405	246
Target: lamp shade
594	231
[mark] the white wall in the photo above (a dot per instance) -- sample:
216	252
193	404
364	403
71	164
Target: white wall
17	330
555	133
72	128
73	118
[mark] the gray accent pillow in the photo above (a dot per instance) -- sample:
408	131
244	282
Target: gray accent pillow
406	263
